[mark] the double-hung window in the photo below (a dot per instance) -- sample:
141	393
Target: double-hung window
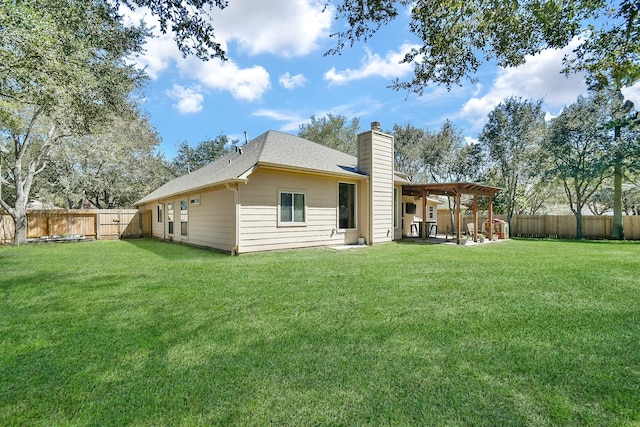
184	217
346	205
170	218
292	208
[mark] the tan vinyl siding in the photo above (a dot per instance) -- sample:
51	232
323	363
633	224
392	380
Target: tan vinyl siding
212	223
376	159
397	231
259	199
156	227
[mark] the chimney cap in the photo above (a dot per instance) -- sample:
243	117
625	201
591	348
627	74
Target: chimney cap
375	125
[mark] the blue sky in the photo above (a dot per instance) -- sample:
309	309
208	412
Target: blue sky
277	78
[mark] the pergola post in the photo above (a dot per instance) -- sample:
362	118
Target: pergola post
475	217
458	218
423	230
453	189
490	218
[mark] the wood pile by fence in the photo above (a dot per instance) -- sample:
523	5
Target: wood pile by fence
99	224
554	226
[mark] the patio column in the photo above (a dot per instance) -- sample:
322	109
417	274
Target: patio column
458	218
475	217
423	231
490	218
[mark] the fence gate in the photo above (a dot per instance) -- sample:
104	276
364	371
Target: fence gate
120	224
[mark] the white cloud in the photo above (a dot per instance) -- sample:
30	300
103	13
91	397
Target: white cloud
633	94
538	78
288	81
374	65
471	140
248	84
359	107
160	50
189	99
291	121
286	28
363	106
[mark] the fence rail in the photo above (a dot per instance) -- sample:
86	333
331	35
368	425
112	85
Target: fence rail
555	226
104	224
101	224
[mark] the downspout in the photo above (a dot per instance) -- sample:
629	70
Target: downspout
234	251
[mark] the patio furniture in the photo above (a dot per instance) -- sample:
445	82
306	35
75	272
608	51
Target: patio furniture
470	229
432	227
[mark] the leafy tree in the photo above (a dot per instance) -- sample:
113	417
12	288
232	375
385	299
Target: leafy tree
189	159
448	158
409	144
511	138
578	149
112	169
334	132
602	200
621	119
457	37
631	200
62	71
189	20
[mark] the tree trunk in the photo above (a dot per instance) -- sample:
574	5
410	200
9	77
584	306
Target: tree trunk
20	221
578	214
451	216
617	230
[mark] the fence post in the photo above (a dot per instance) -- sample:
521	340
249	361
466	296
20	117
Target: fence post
97	225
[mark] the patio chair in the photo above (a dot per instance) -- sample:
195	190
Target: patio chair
470	229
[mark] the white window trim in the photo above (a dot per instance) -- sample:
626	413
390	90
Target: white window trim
172	221
194	200
292	223
355	210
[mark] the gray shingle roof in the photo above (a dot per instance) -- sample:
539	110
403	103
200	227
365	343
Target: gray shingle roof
272	148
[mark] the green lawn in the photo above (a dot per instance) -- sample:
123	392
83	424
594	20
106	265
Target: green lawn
148	333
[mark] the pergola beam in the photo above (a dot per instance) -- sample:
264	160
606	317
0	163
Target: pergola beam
453	189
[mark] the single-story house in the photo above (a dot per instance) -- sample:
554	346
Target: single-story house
279	191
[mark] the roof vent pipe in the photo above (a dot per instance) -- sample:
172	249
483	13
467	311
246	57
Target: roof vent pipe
246	137
375	126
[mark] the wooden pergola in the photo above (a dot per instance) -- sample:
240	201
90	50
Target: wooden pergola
453	189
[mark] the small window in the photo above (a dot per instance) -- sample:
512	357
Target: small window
170	218
184	217
292	208
159	213
432	214
194	200
346	205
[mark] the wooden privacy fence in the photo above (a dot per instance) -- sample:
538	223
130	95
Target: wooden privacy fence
92	223
554	226
564	226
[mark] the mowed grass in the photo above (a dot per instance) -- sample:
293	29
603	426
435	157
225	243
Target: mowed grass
143	332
